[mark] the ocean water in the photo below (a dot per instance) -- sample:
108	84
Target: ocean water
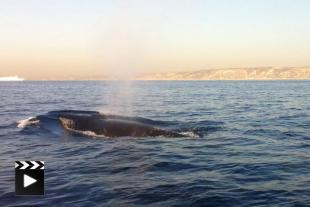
253	147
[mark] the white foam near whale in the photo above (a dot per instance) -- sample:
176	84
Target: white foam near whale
190	134
26	122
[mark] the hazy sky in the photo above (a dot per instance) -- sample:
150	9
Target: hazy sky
66	39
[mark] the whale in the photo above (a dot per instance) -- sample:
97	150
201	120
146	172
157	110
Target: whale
112	126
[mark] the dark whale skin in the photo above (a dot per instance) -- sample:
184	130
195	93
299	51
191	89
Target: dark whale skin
112	127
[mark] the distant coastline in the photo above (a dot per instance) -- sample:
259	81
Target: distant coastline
224	74
260	73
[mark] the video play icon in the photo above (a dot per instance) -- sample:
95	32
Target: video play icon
28	180
29	177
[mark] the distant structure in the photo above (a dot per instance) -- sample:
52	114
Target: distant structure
11	78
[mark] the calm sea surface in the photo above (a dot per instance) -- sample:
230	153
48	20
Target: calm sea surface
253	149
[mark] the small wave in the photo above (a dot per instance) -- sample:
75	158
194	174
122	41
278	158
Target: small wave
26	122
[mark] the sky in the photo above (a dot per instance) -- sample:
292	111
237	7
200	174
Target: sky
93	39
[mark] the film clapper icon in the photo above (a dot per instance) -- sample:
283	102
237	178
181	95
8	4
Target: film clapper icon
29	177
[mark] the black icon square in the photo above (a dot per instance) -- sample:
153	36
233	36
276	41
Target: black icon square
29	178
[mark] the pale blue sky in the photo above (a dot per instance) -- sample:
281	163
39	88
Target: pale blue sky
63	39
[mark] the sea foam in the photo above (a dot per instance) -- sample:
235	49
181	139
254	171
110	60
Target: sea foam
26	122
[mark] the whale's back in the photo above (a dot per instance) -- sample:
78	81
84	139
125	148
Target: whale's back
111	127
